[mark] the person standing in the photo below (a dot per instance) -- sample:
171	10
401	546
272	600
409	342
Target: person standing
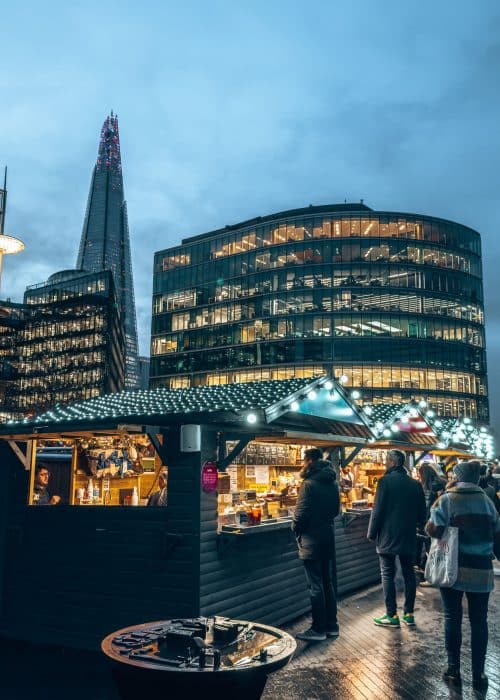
41	496
398	510
466	506
159	497
433	485
318	503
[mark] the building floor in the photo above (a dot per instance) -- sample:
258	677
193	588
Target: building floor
364	663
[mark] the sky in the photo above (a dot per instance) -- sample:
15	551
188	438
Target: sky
234	109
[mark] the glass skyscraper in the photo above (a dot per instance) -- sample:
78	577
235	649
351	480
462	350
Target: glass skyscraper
105	242
393	302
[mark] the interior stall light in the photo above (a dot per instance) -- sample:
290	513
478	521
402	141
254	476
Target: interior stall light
422	403
405	419
328	385
394	428
413	412
379	425
343	379
466	420
294	406
387	433
311	395
355	394
482	429
441	446
431	413
368	410
251	418
438	423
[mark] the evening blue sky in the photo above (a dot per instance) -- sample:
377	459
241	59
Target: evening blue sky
230	110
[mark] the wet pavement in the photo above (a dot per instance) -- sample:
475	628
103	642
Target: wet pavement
364	663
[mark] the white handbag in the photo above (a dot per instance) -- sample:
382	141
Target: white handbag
441	568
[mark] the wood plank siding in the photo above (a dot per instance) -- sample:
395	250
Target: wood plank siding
74	574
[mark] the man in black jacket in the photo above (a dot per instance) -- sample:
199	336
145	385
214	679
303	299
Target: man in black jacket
398	511
318	504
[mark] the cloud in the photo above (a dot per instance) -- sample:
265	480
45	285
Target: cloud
229	110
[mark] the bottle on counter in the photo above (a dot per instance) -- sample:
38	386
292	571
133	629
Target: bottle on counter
134	499
90	490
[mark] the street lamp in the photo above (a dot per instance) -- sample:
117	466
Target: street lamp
8	246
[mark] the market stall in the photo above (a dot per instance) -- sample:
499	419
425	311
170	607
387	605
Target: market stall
93	562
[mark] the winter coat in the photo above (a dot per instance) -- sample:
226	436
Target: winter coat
467	507
398	510
318	503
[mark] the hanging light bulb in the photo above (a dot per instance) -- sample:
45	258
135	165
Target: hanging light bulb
355	394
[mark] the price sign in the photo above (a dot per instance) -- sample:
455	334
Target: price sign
209	477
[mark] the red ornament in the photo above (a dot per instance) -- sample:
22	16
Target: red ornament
209	477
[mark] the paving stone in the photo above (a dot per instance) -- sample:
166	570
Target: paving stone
372	663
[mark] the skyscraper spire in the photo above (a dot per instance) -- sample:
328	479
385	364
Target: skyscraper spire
105	242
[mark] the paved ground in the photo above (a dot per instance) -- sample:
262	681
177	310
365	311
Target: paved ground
364	663
370	663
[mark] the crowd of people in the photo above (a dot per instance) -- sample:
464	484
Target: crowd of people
406	515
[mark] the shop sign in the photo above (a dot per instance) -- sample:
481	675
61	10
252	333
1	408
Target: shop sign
209	477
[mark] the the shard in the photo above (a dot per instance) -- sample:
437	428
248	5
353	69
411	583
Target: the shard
105	243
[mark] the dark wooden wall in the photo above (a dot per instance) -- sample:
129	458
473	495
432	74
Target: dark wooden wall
74	574
260	577
71	575
357	560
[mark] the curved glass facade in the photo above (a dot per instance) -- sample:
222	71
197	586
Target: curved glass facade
393	301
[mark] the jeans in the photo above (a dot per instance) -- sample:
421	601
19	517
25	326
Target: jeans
388	572
323	599
478	618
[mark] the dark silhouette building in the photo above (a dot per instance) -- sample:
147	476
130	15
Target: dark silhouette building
392	302
65	343
105	242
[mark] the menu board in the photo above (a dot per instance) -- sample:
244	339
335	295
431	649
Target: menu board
233	478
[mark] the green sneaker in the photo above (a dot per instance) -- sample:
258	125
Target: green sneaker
387	621
409	619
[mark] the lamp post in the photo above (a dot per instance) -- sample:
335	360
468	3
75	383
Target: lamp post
8	246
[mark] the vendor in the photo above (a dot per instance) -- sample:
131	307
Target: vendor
159	498
41	496
346	480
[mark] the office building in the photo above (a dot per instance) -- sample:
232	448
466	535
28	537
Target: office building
63	344
391	302
105	242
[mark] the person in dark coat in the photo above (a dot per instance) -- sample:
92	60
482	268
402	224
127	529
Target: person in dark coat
41	496
318	504
399	509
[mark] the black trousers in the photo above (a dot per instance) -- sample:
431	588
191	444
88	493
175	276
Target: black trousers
388	573
478	618
322	592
